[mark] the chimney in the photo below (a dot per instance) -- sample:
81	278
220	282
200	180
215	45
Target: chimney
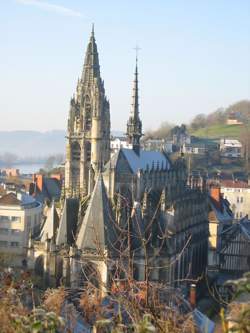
192	295
34	178
39	182
57	176
215	194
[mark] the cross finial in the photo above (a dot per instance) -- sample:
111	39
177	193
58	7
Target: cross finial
137	49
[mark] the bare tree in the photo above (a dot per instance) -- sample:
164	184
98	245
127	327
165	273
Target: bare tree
161	132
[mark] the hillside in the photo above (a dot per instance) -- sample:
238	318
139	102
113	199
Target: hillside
220	131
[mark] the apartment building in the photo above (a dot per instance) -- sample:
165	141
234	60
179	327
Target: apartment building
20	214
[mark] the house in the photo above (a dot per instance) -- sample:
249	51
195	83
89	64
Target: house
233	119
194	148
118	142
20	214
234	255
199	146
10	172
220	218
235	249
237	192
158	145
230	148
45	188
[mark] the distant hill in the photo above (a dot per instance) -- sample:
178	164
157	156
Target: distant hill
35	144
239	110
214	125
219	131
32	143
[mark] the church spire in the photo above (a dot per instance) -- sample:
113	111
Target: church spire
91	67
88	140
134	125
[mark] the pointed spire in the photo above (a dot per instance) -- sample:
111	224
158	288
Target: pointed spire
135	96
134	125
98	231
91	67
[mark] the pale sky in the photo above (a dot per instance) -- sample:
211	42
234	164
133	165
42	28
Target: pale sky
194	58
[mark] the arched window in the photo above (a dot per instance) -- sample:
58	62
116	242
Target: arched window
88	151
75	160
75	151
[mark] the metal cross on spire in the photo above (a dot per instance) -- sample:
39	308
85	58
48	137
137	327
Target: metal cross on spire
137	49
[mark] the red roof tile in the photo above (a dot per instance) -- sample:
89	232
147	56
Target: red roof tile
234	184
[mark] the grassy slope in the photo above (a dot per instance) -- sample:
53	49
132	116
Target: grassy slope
220	131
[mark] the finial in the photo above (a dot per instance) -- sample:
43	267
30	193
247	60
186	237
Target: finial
137	49
93	30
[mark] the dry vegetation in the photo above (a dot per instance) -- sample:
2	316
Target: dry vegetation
123	310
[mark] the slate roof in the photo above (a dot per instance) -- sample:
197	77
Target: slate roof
97	232
242	227
68	222
145	159
223	212
10	199
51	190
50	225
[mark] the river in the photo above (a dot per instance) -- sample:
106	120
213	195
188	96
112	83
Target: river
29	168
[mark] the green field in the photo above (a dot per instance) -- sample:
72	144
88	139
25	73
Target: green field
220	131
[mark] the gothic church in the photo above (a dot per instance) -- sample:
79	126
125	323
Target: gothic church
129	215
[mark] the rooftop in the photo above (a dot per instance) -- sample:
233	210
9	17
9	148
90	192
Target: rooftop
146	159
242	226
10	199
231	143
234	184
19	199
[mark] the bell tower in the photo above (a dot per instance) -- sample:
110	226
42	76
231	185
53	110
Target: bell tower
88	132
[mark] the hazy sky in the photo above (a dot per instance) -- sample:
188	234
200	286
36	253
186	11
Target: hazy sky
194	58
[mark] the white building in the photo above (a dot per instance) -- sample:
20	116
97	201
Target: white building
230	148
194	148
20	214
238	194
158	145
116	143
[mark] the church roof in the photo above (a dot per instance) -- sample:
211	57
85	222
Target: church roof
68	222
146	159
97	232
242	227
50	224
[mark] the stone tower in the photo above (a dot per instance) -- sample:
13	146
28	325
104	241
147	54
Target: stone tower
134	125
88	134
